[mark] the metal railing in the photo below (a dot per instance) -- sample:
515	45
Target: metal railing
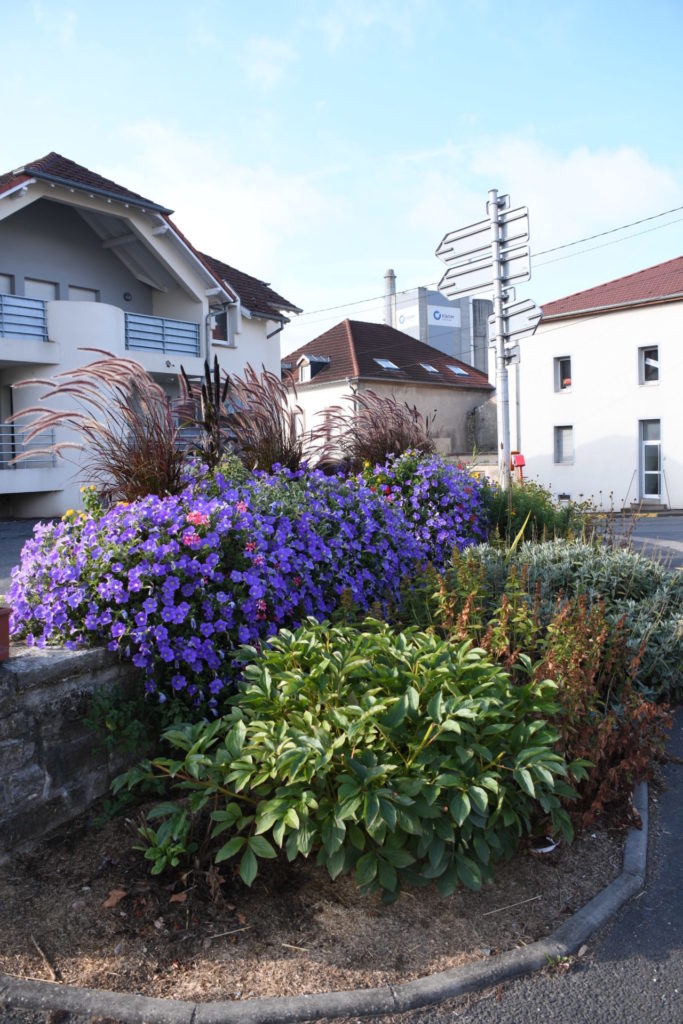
159	334
22	318
13	442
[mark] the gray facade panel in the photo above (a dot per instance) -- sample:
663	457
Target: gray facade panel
48	241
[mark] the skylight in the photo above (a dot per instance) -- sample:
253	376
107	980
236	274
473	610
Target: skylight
458	370
429	367
386	364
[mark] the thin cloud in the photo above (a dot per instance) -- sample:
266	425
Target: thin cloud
266	61
60	24
345	18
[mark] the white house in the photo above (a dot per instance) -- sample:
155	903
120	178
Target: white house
356	356
600	392
86	262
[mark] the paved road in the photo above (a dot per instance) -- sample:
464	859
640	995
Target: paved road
13	535
658	537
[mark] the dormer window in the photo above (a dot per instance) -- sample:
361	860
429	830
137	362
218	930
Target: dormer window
304	372
386	364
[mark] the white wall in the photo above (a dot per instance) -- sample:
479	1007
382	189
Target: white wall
604	404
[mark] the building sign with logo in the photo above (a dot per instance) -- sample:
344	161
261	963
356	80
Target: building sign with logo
407	317
443	316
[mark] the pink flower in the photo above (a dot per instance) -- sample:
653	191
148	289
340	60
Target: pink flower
197	518
241	507
250	546
191	539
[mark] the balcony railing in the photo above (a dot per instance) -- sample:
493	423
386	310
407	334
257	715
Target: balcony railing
159	334
13	442
22	318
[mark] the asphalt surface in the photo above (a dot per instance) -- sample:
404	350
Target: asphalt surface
13	536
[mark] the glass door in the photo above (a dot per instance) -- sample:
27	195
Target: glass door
650	460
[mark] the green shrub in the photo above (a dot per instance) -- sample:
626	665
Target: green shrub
399	756
530	507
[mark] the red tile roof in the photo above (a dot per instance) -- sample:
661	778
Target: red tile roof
63	171
256	295
663	281
352	347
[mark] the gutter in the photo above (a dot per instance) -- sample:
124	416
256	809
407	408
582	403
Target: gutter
106	193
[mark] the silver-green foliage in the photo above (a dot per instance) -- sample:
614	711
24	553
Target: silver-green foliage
644	593
399	756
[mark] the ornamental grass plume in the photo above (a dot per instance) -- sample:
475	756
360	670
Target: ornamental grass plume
375	427
263	427
123	423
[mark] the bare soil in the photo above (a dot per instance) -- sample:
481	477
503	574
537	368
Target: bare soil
82	909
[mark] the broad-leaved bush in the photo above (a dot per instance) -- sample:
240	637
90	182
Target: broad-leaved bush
400	757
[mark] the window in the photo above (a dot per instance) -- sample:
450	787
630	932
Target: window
386	364
78	294
34	289
563	373
457	370
304	372
648	364
564	445
6	284
429	368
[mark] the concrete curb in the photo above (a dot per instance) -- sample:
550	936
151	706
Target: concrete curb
567	939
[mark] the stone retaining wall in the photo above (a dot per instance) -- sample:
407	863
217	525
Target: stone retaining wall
49	769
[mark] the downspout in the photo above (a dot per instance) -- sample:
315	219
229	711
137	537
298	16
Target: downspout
277	330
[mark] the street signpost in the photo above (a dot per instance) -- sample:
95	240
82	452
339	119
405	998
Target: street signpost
479	275
521	319
488	256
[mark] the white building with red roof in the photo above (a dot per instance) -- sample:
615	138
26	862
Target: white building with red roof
85	262
600	398
356	356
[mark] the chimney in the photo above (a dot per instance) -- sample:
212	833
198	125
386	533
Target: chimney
390	298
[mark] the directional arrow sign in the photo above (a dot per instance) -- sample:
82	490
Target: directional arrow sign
478	275
520	317
474	241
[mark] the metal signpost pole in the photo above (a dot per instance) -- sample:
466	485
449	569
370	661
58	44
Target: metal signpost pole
502	396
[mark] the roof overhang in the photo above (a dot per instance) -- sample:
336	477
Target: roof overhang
612	308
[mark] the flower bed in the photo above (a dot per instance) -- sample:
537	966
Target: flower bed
175	584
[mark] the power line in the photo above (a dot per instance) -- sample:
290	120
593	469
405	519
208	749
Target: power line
612	231
543	252
604	245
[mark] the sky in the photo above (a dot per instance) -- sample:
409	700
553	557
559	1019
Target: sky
315	143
